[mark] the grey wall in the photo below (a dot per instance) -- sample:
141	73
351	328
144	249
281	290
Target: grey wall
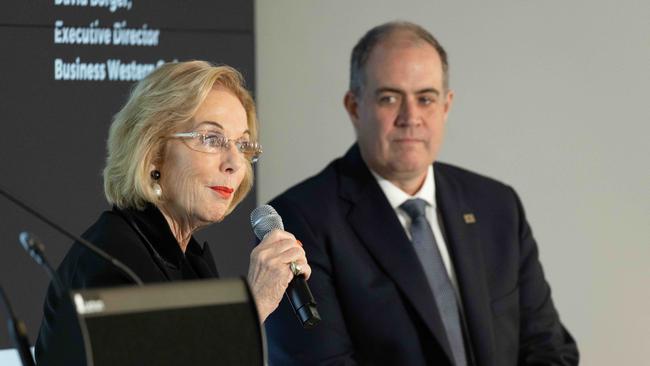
551	97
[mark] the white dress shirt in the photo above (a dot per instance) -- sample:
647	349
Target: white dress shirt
396	197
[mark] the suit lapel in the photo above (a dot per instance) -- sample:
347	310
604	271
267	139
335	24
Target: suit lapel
378	228
463	241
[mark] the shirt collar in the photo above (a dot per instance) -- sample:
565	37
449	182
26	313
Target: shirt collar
396	196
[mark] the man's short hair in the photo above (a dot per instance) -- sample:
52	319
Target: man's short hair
363	48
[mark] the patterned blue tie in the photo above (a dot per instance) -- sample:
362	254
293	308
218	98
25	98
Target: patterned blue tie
434	268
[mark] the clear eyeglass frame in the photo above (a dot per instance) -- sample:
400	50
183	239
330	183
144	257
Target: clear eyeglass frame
215	143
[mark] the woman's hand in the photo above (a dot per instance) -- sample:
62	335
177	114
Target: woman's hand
269	271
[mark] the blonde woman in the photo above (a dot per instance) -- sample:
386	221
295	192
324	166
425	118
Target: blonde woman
180	155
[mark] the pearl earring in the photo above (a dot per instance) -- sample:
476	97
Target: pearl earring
157	189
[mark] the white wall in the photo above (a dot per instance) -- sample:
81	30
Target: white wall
551	97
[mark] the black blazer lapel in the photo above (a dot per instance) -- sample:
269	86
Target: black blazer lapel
463	240
202	261
378	228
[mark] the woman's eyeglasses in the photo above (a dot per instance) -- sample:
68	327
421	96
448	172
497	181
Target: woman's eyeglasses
214	143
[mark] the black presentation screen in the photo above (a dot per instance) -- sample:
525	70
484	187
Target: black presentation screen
66	66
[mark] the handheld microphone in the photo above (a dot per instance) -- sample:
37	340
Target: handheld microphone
92	247
264	219
18	332
34	246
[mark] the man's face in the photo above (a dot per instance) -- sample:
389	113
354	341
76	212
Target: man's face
400	114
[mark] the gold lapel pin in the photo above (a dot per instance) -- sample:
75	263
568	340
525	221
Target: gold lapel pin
469	218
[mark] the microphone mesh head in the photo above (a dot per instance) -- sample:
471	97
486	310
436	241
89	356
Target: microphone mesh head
264	219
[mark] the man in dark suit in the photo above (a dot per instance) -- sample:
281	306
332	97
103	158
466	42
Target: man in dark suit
414	262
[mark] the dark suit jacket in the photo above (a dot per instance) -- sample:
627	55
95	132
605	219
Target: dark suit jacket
372	294
142	241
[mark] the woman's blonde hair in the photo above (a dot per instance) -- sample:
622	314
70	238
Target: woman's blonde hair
159	105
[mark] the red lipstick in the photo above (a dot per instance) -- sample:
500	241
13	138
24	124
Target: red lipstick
223	191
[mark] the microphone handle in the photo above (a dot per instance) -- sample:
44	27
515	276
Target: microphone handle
302	301
36	250
18	332
56	280
92	247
